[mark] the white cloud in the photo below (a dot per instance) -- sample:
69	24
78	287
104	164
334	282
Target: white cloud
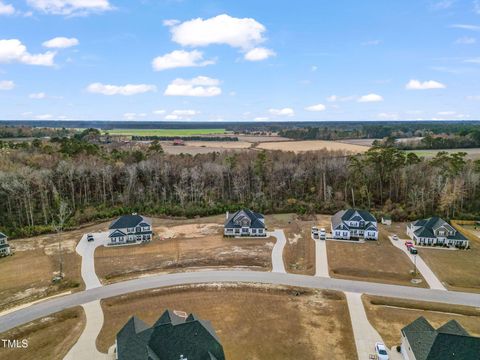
7	85
332	98
372	43
261	118
443	4
38	96
259	54
282	112
318	107
133	116
60	43
473	61
466	27
466	40
44	117
171	22
313	68
200	86
70	7
181	114
446	113
180	58
159	112
388	116
12	50
6	9
223	29
473	97
370	98
335	98
426	85
127	90
476	6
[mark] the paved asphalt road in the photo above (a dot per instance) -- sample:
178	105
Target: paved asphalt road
48	307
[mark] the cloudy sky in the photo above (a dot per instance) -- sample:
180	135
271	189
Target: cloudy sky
239	60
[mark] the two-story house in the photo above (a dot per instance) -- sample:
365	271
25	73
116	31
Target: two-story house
4	247
435	231
129	229
245	223
354	224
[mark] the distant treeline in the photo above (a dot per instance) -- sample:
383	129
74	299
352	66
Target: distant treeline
31	132
382	130
184	138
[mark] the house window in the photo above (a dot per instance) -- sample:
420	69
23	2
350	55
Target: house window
260	231
254	231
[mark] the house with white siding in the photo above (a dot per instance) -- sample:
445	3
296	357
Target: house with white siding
130	229
245	223
354	224
435	231
4	246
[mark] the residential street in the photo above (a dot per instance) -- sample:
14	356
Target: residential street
277	253
48	307
422	267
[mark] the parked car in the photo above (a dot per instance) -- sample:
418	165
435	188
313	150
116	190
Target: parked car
323	234
412	250
381	351
90	237
408	244
395	237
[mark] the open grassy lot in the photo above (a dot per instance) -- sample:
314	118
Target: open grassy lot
473	154
48	338
377	261
312	145
180	244
459	270
252	322
389	316
27	275
205	147
299	252
165	132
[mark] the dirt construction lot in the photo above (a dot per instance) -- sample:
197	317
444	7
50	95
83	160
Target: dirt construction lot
180	244
389	316
377	261
313	145
48	338
252	322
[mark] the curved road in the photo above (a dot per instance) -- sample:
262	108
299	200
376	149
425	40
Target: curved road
39	310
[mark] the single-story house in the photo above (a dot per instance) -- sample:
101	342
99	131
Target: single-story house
130	229
435	231
4	247
245	223
386	220
421	341
354	224
174	336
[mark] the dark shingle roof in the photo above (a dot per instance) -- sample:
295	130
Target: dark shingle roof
428	226
170	337
449	342
256	219
129	221
2	236
353	215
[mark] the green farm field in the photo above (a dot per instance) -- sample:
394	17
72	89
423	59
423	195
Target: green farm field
166	132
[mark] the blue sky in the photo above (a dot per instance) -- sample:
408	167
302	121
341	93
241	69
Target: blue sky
240	60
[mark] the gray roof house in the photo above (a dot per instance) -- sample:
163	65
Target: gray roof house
172	337
354	224
245	223
435	231
130	229
4	247
421	341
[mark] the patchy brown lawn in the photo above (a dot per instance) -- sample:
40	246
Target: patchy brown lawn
181	244
253	322
389	316
48	338
377	261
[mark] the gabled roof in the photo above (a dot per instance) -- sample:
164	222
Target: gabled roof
129	221
117	233
352	215
2	236
428	226
449	342
256	219
170	337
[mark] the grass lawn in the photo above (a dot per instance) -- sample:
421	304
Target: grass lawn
459	270
48	338
299	252
389	316
181	244
252	322
377	261
165	132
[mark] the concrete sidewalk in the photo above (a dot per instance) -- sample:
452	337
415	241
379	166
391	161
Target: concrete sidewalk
422	267
365	334
321	259
277	251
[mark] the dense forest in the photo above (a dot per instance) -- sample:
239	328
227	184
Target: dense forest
32	132
100	182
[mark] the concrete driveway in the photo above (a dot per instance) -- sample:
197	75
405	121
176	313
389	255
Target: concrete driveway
87	251
321	259
277	251
431	279
365	334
